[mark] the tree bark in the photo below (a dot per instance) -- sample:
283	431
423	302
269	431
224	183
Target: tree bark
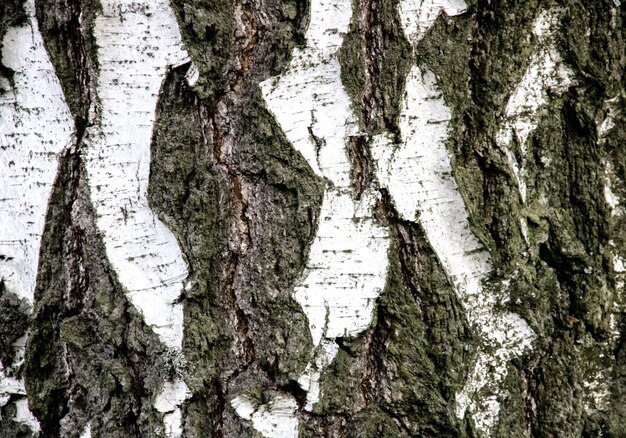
371	218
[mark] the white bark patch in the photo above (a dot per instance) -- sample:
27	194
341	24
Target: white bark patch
168	403
418	176
137	43
346	269
35	127
619	268
23	415
619	262
597	394
596	391
610	197
9	385
309	101
277	419
417	16
12	386
347	265
608	123
86	433
612	111
310	379
546	74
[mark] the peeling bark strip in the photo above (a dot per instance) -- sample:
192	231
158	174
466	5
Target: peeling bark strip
137	42
35	127
277	419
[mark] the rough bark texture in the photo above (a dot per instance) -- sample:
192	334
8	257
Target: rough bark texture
244	205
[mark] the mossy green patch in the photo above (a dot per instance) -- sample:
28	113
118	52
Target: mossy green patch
393	65
511	421
84	328
410	364
203	197
374	422
375	29
352	61
208	31
185	192
285	197
560	283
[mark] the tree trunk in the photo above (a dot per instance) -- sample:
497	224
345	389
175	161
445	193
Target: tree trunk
376	218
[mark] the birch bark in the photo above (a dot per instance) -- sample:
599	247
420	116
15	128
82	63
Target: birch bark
312	218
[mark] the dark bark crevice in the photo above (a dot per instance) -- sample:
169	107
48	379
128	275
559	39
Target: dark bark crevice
67	30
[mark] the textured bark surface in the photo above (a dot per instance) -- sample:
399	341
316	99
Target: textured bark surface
481	145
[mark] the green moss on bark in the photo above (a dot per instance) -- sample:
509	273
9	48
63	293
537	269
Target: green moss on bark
239	308
560	283
375	83
219	161
208	31
88	348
